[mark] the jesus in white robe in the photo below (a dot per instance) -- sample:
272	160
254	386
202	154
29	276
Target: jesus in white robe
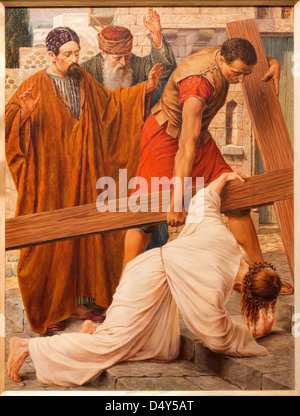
193	275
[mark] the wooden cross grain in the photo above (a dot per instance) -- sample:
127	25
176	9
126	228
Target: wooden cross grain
269	127
84	220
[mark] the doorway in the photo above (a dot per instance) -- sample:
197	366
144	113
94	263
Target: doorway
282	49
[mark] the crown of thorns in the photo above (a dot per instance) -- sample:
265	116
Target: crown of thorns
251	297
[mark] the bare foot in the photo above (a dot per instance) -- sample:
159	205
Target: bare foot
237	287
18	352
80	310
286	289
88	327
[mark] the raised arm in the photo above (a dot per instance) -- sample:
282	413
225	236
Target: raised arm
152	23
161	52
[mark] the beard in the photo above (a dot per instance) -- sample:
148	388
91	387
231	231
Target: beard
118	76
74	72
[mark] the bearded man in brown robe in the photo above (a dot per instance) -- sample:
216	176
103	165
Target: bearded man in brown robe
64	131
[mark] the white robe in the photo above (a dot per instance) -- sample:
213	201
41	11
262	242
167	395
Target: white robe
193	274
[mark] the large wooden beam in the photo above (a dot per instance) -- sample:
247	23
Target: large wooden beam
86	220
269	127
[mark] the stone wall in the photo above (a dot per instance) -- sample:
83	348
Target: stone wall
205	25
187	29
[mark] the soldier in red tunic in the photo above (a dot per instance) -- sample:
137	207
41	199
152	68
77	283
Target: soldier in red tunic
176	141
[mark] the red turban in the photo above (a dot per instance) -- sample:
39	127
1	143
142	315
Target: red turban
115	40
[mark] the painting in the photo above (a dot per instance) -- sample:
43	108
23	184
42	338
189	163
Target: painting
124	59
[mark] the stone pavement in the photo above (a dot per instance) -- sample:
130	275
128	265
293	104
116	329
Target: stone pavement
197	368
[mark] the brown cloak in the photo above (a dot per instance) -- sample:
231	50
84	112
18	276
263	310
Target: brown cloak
55	161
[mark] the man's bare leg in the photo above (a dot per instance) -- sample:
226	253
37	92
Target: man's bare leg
18	352
136	243
244	232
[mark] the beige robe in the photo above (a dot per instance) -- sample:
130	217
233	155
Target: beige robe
193	274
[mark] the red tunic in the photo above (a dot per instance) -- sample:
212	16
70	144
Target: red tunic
158	148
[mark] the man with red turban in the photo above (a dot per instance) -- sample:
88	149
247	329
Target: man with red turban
117	66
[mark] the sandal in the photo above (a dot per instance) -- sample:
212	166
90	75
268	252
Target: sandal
57	326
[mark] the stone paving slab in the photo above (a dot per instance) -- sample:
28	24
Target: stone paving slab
154	384
172	383
248	372
178	375
153	369
279	381
212	383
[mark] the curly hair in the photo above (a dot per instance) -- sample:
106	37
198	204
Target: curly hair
238	48
260	289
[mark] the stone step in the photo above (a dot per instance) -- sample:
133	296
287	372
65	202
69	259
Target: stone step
179	375
198	368
272	372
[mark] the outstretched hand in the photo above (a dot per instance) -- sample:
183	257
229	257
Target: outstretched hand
152	21
27	103
153	77
175	219
232	176
218	184
263	326
274	73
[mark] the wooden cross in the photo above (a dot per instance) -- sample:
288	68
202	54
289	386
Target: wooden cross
274	187
269	127
84	220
